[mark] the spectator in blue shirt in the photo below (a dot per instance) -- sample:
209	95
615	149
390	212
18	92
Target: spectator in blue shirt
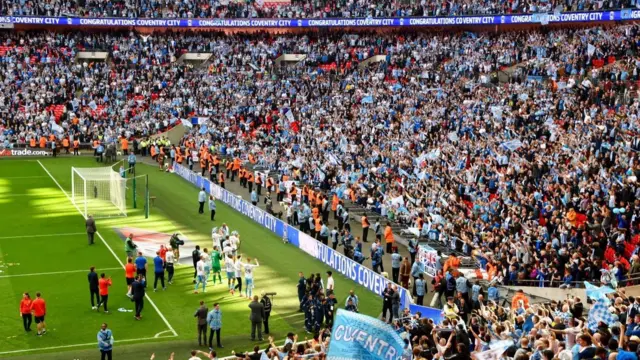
214	319
158	267
421	286
105	341
416	269
141	265
132	163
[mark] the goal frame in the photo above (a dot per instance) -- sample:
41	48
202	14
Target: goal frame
83	204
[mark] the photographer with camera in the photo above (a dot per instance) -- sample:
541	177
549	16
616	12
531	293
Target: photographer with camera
130	247
175	244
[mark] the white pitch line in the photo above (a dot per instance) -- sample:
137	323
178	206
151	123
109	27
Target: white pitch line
24	177
41	235
78	345
56	272
160	333
110	249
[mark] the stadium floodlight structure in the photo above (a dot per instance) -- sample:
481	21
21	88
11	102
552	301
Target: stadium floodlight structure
99	191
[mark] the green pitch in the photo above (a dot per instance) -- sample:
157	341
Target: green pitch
43	247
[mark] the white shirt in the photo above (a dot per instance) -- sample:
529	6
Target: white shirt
202	196
233	241
330	283
229	265
248	270
170	257
238	268
200	267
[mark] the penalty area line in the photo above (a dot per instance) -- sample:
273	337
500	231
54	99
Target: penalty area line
173	331
80	345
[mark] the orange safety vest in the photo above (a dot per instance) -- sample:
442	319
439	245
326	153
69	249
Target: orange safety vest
153	151
365	222
95	143
179	158
76	144
203	163
43	142
32	142
178	152
221	178
388	235
259	180
236	164
252	159
334	202
269	183
216	160
241	173
249	176
125	144
305	191
420	223
319	200
51	137
229	165
65	142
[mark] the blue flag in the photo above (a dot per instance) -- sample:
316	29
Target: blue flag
598	293
357	336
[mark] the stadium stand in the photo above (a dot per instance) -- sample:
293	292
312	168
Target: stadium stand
515	149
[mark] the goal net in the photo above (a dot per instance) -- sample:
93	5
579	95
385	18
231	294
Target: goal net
100	192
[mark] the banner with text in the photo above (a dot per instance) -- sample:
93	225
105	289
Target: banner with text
524	19
337	261
357	336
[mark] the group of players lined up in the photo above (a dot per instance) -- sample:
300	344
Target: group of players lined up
206	266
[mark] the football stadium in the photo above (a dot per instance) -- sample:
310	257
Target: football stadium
322	180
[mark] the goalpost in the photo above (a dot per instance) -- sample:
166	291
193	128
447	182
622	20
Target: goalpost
104	192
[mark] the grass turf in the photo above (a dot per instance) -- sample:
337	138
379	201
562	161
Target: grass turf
32	205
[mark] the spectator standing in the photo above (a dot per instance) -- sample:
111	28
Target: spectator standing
365	227
131	159
141	265
387	303
212	207
256	317
201	314
25	311
405	273
138	292
104	283
388	237
396	260
420	289
90	225
93	287
158	271
202	197
266	302
105	342
330	283
416	269
170	259
214	319
39	310
353	298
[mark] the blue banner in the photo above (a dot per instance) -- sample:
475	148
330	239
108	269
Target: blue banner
357	336
358	273
524	19
427	312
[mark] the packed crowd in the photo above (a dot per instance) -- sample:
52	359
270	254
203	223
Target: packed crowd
295	8
535	178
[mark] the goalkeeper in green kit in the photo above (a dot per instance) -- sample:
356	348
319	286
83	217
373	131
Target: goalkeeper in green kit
215	264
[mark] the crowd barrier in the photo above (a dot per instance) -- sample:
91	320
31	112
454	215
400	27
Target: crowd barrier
473	20
360	274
